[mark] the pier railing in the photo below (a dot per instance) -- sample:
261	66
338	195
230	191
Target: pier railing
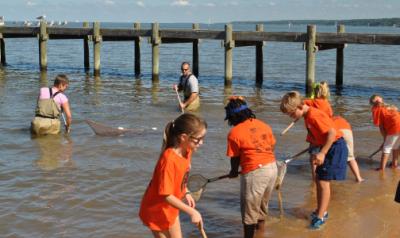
312	40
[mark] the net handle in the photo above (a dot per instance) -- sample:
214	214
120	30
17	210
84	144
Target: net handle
288	127
376	152
217	178
296	155
200	226
179	100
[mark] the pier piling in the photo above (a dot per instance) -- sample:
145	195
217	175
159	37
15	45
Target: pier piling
195	63
310	58
96	48
136	26
2	50
229	45
43	37
155	43
340	60
86	61
259	58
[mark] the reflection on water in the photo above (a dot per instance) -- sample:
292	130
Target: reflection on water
55	151
43	79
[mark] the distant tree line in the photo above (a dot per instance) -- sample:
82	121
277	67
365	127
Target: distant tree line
353	22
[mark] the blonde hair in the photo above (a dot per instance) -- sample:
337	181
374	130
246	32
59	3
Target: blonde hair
290	101
321	90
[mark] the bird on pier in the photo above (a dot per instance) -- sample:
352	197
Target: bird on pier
42	17
1	20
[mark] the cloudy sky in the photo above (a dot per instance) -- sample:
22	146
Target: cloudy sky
197	10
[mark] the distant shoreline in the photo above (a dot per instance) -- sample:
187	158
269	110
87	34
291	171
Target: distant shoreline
393	22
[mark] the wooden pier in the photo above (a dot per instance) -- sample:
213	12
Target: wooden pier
313	42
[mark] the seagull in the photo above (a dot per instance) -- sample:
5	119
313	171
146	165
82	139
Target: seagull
42	17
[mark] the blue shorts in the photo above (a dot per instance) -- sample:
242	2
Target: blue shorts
335	163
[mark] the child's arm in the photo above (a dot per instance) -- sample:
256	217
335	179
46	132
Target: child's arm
177	203
320	157
382	130
235	162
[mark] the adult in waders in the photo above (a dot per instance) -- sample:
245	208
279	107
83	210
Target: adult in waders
189	84
51	103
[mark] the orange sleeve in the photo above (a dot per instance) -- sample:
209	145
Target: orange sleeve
308	102
233	146
167	178
376	114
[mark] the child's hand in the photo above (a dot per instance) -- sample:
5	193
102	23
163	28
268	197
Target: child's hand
319	158
195	217
233	173
190	200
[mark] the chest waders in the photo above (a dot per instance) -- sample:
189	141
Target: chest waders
193	106
47	116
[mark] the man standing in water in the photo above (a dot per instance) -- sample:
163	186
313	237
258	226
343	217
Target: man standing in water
189	84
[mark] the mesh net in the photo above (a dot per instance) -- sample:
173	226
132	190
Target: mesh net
104	130
196	182
282	167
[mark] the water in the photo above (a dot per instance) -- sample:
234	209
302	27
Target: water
83	185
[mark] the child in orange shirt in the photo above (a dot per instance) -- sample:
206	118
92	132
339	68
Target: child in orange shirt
162	200
251	146
320	101
388	120
332	155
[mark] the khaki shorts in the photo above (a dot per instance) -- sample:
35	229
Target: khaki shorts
392	142
348	137
255	191
45	126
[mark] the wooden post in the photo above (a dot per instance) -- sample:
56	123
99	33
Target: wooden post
195	63
155	42
311	49
43	37
259	58
137	51
3	50
96	48
229	45
339	61
86	61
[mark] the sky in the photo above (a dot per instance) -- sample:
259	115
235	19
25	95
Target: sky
200	11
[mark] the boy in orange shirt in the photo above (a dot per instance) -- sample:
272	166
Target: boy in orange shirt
388	120
162	200
251	145
321	102
332	156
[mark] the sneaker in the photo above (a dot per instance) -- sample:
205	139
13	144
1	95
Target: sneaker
314	215
316	223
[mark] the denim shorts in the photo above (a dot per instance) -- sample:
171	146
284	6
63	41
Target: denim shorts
335	163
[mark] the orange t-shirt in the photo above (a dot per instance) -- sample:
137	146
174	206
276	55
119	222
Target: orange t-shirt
341	123
252	141
169	178
389	119
321	104
318	123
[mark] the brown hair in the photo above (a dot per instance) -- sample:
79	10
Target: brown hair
290	101
61	79
185	124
